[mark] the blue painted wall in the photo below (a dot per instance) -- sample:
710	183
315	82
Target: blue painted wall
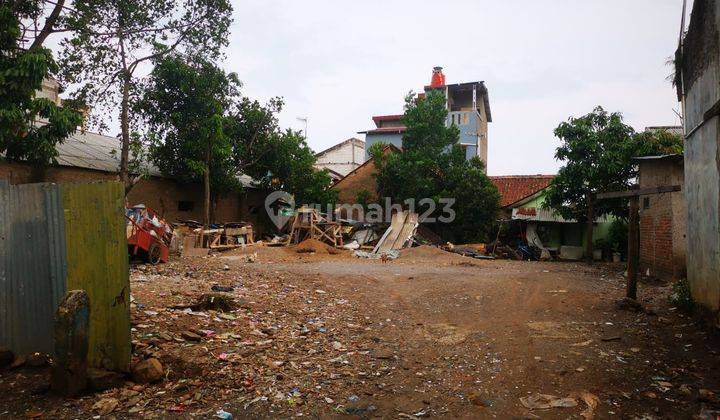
387	138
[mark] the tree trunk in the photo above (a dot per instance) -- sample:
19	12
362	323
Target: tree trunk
589	230
206	215
125	130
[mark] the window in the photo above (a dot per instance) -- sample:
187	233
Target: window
186	205
646	203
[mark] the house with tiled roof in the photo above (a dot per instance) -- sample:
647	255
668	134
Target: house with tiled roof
514	188
521	201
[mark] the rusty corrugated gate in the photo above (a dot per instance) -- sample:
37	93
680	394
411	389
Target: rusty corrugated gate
55	238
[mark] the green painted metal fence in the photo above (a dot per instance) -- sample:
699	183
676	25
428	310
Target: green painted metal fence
97	262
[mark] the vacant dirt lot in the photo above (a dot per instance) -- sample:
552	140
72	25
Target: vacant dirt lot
430	334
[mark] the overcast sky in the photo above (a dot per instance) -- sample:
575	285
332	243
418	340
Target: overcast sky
340	62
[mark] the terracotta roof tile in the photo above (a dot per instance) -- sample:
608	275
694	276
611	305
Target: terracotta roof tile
514	188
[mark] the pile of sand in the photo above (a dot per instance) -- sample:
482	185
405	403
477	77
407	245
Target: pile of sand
425	252
316	246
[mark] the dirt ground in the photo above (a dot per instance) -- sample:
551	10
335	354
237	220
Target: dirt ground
431	334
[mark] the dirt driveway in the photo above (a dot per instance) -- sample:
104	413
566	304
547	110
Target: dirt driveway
428	335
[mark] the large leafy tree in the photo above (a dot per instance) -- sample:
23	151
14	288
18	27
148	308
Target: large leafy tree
432	166
279	160
597	151
185	106
113	41
30	127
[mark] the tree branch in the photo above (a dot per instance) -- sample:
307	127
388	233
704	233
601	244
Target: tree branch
49	24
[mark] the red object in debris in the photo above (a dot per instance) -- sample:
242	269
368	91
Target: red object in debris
438	78
148	235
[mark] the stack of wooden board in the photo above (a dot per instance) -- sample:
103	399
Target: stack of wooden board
400	233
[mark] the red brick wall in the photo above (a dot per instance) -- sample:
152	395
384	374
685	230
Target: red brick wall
161	194
662	221
656	241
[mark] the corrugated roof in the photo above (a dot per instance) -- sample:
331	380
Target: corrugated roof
658	157
102	153
94	151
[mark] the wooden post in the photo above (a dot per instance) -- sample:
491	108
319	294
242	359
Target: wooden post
589	230
633	228
633	249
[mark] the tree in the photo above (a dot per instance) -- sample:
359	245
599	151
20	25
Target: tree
37	19
185	107
30	127
280	160
597	150
111	40
432	166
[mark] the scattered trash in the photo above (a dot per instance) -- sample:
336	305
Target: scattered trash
545	401
211	301
106	406
224	415
389	255
592	401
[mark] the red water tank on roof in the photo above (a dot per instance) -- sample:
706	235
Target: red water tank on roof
438	78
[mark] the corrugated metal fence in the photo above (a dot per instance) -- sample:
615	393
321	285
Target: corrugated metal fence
55	238
32	265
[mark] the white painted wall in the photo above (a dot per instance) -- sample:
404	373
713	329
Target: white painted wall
344	159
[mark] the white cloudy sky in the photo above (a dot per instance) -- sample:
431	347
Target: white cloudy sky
339	62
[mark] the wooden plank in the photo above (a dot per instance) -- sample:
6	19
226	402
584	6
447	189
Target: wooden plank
382	240
406	232
639	192
396	226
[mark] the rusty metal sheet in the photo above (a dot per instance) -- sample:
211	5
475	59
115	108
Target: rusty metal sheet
97	262
32	265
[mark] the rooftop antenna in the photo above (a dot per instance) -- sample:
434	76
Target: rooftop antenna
305	120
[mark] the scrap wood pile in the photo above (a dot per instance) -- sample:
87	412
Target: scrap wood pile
308	223
398	236
198	241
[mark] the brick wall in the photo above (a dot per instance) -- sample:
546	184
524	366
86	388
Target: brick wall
363	178
161	194
662	220
656	241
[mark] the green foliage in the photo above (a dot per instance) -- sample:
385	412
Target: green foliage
185	107
30	127
110	40
280	160
618	236
433	166
597	151
376	150
682	296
